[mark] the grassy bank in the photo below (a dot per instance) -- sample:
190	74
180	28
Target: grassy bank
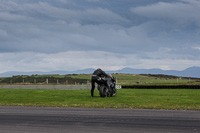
126	98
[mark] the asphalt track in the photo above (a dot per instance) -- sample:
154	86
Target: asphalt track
90	120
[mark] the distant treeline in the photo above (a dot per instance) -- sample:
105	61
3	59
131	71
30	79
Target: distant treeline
42	79
168	76
160	76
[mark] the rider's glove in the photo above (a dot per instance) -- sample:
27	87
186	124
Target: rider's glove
99	79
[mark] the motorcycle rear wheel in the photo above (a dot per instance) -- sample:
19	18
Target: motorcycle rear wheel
103	91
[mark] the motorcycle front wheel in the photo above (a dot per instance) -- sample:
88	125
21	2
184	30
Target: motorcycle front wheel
114	93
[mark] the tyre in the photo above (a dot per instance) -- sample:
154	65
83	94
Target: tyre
103	91
114	93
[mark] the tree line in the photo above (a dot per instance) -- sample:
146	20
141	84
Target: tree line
42	79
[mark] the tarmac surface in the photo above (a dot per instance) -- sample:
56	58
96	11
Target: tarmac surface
94	120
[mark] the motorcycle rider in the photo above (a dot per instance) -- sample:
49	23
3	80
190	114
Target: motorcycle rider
97	74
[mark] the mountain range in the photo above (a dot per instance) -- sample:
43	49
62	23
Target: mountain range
189	72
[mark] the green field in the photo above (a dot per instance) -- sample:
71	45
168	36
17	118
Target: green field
123	79
130	79
181	99
186	99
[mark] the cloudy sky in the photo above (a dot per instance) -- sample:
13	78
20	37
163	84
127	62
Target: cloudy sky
48	35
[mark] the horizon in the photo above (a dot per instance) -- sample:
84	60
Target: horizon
188	72
105	70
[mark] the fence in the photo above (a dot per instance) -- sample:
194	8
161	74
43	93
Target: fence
45	87
161	86
43	80
64	87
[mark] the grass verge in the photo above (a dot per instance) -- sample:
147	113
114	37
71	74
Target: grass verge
180	99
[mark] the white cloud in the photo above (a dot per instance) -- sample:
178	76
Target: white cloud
71	60
75	60
44	27
93	0
183	12
85	16
168	64
64	1
197	48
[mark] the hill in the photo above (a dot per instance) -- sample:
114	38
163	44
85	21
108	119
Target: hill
189	72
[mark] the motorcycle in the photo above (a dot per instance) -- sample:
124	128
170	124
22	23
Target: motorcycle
106	87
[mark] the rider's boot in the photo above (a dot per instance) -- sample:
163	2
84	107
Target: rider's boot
92	93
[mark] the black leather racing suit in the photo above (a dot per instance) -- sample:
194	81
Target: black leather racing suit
95	76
